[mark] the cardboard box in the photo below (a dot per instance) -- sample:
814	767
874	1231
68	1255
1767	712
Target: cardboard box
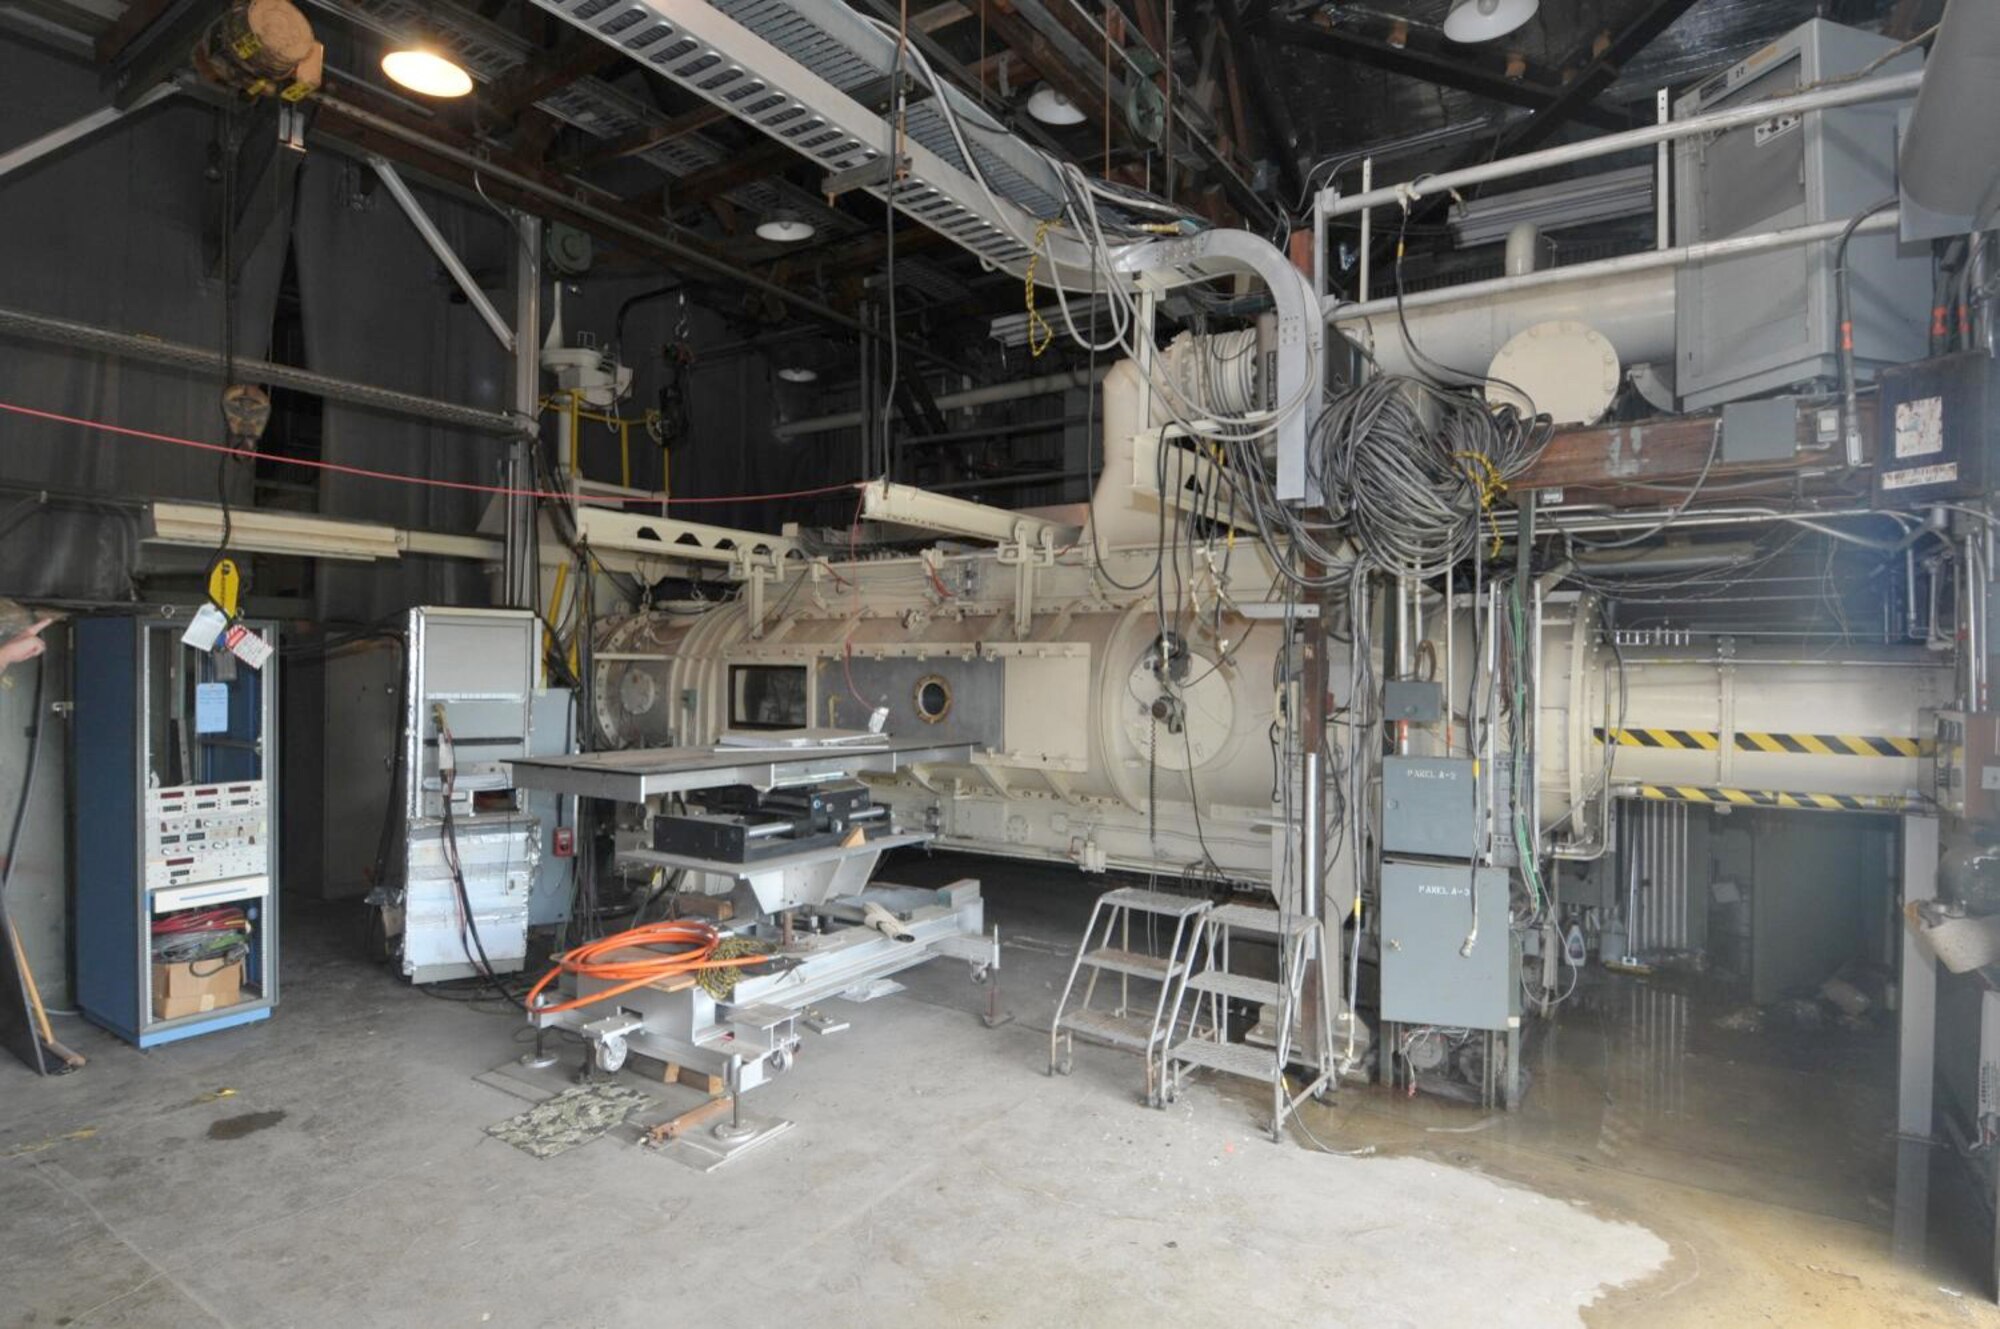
195	986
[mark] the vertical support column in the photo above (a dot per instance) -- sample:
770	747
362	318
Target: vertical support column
1322	989
1916	1049
1367	225
871	390
1319	246
520	575
1663	224
1527	725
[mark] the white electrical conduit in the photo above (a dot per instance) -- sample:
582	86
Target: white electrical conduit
1646	261
1841	94
1046	385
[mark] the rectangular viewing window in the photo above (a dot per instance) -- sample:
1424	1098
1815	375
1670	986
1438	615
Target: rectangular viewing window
768	697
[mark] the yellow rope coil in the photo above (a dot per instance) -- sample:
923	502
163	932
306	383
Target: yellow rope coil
1040	334
720	982
1486	477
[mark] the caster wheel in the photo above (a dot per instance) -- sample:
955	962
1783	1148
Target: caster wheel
610	1054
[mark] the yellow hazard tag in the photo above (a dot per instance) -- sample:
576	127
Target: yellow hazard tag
224	582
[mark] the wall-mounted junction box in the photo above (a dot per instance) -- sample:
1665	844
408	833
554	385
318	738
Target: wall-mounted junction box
1966	774
1415	701
1934	427
1430	807
1427	978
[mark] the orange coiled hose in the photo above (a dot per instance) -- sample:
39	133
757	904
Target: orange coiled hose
594	959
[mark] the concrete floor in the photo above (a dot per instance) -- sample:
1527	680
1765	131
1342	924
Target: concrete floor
1661	1173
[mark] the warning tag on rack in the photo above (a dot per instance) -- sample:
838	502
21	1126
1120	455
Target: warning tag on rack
206	625
247	646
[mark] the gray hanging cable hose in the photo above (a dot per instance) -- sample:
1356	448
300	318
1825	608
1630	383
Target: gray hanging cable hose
1850	419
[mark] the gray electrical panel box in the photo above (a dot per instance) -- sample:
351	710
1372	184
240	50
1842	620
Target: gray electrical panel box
1426	912
1414	700
1430	807
1749	325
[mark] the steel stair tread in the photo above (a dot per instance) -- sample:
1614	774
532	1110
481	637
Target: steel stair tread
1134	963
1104	1027
1230	1058
1153	902
1240	986
1249	918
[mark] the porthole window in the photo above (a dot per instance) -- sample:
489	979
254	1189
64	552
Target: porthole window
932	699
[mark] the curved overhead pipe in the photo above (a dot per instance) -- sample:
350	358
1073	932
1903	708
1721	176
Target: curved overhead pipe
1946	167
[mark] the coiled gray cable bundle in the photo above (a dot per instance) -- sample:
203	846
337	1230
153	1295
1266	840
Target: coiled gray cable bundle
1410	468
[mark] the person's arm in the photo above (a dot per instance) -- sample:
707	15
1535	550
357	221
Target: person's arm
26	645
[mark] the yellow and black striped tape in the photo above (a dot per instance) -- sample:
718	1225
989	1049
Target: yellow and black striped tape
1820	745
1770	798
1692	740
1833	745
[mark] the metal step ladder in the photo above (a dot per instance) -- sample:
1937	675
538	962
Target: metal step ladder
1113	945
1212	985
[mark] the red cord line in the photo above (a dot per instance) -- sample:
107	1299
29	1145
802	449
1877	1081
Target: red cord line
397	477
205	920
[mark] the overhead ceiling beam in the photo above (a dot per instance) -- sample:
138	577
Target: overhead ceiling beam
652	136
452	157
1241	26
1020	74
1428	60
760	159
534	131
864	253
970	78
160	49
939	17
137	17
1073	64
790	94
1084	91
1602	60
574	58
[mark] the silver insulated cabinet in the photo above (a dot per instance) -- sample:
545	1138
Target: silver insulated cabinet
1766	322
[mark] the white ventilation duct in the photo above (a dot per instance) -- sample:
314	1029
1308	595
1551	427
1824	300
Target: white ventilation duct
1634	311
1950	163
1218	373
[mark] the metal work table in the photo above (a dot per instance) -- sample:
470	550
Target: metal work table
638	774
752	1034
755	867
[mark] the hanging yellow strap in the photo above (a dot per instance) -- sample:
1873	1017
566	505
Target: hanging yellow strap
1040	334
549	641
225	583
1486	477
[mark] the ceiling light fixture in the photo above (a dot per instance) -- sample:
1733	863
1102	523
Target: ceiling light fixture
785	228
798	374
1052	108
1483	20
426	72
